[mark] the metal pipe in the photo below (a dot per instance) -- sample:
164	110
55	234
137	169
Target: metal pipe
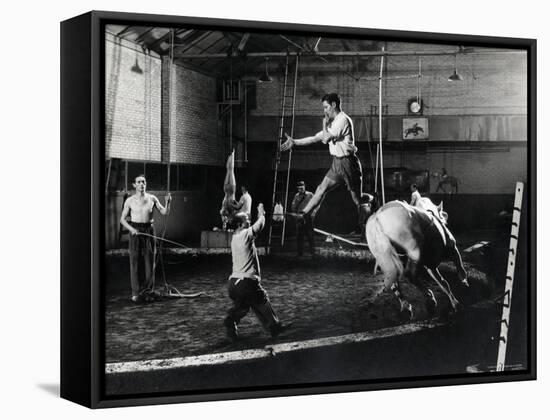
306	53
380	129
376	170
245	122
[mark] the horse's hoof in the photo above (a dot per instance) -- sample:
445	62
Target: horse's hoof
456	307
407	310
431	304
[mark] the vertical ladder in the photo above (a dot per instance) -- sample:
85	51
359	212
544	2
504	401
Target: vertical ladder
286	125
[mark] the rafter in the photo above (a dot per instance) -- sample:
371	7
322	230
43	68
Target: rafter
180	34
243	42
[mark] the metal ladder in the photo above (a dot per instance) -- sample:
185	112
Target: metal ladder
286	125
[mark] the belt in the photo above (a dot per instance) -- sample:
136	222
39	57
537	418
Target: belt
141	225
342	157
238	278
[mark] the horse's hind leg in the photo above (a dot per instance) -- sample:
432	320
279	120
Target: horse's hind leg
442	283
393	273
404	303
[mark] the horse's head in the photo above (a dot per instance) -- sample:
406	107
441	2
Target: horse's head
426	204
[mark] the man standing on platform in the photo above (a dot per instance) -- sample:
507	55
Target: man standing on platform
304	226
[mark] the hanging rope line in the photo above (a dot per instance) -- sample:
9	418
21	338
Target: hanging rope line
159	238
362	95
168	290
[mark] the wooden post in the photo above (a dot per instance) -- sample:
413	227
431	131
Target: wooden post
507	302
108	176
380	128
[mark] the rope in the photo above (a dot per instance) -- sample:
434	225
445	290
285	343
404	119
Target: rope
339	238
169	290
158	238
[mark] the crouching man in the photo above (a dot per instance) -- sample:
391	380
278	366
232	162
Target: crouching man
245	289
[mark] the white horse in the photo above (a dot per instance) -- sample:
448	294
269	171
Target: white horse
419	233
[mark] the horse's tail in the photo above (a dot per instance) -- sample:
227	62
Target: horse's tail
384	252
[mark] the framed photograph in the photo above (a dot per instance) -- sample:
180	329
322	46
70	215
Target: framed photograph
252	224
415	129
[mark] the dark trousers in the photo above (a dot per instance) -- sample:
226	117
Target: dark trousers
304	227
248	293
142	253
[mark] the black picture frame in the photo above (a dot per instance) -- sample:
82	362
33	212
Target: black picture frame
82	232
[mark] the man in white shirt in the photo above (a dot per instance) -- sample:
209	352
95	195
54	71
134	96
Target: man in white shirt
415	195
244	287
346	169
245	202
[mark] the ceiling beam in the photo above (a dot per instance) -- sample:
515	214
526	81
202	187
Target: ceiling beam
123	31
243	42
180	34
179	49
355	53
142	35
291	42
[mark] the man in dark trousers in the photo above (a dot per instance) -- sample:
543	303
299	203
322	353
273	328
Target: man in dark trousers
245	289
304	226
346	169
141	208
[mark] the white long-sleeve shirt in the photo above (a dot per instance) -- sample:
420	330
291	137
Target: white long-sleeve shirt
343	138
246	204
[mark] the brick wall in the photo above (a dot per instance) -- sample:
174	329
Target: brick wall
132	102
194	119
138	123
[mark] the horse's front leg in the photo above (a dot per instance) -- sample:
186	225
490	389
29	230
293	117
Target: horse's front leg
457	259
443	285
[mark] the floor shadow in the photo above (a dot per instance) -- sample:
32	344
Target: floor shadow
52	389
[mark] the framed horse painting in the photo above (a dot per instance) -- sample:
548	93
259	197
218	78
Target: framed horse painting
255	222
415	129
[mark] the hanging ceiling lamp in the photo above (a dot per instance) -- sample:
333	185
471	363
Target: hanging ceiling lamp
136	68
265	78
455	77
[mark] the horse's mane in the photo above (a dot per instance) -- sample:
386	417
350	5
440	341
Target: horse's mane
426	204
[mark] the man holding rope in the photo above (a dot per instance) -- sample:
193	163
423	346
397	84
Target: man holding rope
346	169
142	245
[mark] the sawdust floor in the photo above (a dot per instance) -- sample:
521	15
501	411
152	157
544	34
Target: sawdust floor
320	297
